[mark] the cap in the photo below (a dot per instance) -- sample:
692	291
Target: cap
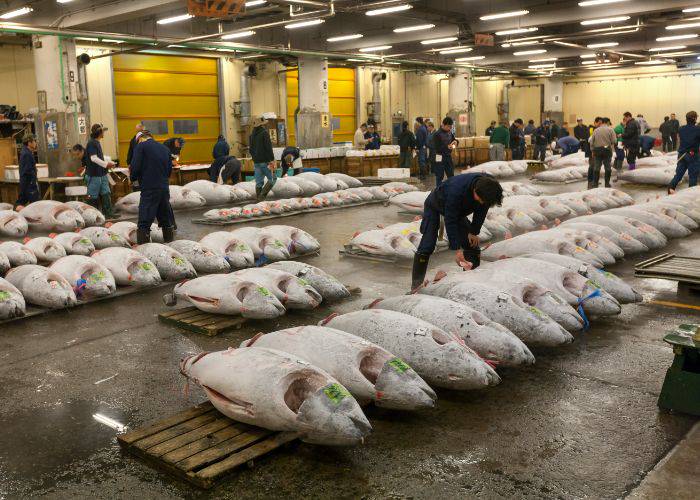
579	119
28	138
96	129
257	121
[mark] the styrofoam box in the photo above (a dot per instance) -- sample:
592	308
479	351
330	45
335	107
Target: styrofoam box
42	170
76	190
12	173
394	173
278	153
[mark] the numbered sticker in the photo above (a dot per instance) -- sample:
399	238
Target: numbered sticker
421	332
336	393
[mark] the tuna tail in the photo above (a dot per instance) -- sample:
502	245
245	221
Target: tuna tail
373	303
326	320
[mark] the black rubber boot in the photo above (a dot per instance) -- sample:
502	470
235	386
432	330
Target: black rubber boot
266	189
420	267
258	192
106	200
608	173
168	234
143	236
93	202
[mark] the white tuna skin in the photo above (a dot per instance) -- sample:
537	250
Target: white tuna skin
42	286
129	267
91	215
528	323
171	264
278	391
622	239
104	238
262	243
611	249
637	230
380	242
12	224
213	193
12	303
612	284
17	253
49	215
182	198
663	223
88	278
410	202
541	241
329	287
204	259
293	292
586	241
327	184
229	294
284	188
309	188
487	338
301	241
238	253
349	180
4	263
129	203
45	249
370	373
127	230
441	358
74	243
6	206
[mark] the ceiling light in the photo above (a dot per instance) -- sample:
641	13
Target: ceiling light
391	62
529	52
439	40
417	27
175	19
240	34
177	46
504	14
109	40
675	47
304	24
375	49
605	20
456	50
587	56
601	45
691	9
542	66
515	31
650	62
682	26
543	60
593	62
590	3
16	13
252	56
677	54
356	60
255	3
675	37
86	39
342	38
470	58
64	1
388	10
530	42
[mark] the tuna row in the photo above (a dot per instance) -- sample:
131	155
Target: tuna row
47	216
500	169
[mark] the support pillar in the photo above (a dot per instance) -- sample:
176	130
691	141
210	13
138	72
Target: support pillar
460	103
553	99
313	122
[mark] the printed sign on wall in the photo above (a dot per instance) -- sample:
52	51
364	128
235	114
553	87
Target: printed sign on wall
51	135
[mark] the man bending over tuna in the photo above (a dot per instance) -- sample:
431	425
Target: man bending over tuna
455	199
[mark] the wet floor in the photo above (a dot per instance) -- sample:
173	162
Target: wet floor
581	422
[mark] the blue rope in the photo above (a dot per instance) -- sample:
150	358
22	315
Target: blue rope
262	260
586	323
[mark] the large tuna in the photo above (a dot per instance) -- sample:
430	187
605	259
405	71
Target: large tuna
129	267
228	294
347	179
171	264
12	303
298	241
635	228
49	215
622	239
266	247
661	222
541	241
284	188
104	238
12	224
368	371
410	202
277	391
489	339
325	284
4	263
42	287
380	242
17	253
237	251
91	215
127	230
293	292
441	358
204	259
74	243
213	193
88	278
45	249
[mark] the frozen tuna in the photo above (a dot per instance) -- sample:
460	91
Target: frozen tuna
4	263
298	242
128	229
42	287
171	264
88	278
74	243
17	253
12	224
380	242
104	238
213	193
265	246
49	215
129	267
292	292
91	215
45	249
237	251
204	259
329	287
12	303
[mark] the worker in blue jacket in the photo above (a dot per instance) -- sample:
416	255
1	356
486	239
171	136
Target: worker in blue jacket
221	148
444	143
688	147
28	184
646	143
421	146
151	167
568	145
290	154
455	199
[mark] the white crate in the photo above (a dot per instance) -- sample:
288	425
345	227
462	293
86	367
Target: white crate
12	173
76	190
394	173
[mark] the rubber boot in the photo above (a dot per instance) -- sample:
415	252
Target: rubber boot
258	192
420	267
607	178
168	234
93	202
106	200
618	164
266	189
632	166
143	236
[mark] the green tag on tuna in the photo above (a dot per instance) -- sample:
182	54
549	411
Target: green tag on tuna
398	365
179	261
96	277
336	393
264	291
593	283
85	241
114	237
4	296
146	266
278	244
242	248
303	282
609	274
536	311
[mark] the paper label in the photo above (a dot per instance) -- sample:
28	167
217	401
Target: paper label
4	296
421	332
438	158
264	291
336	393
502	297
398	365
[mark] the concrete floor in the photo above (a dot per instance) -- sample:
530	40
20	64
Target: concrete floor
581	422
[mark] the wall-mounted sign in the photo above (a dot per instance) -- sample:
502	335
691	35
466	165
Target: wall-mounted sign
51	135
483	39
463	119
82	125
325	121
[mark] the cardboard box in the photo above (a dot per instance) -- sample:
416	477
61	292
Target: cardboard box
482	142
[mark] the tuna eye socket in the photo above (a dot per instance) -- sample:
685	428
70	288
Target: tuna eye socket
283	285
242	293
371	366
303	386
441	337
478	318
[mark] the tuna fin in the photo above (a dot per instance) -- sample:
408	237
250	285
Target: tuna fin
326	320
52	235
26	240
252	340
108	224
374	303
18	208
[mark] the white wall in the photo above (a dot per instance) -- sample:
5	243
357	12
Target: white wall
101	97
17	77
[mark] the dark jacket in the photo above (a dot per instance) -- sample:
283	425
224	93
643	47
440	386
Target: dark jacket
646	142
130	154
517	137
373	141
675	126
27	168
260	146
630	136
454	199
289	150
221	148
665	129
689	142
230	163
542	136
489	131
151	165
529	129
441	142
94	148
170	144
406	140
554	131
422	137
431	146
563	132
582	132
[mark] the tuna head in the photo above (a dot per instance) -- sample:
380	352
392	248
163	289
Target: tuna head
595	300
11	301
554	306
273	249
257	302
468	371
299	293
239	255
142	272
68	219
12	224
95	281
397	385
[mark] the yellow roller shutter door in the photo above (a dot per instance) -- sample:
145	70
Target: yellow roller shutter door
341	97
176	96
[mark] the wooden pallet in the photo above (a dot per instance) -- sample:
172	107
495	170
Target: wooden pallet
201	445
194	320
685	270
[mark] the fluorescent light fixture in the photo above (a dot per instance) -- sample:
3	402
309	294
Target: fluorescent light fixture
240	34
543	60
682	26
605	20
593	62
252	56
177	46
602	45
591	3
542	66
376	48
529	52
674	47
255	3
109	40
391	62
16	13
529	42
516	31
356	60
388	10
470	58
456	50
587	56
86	39
64	1
342	38
417	27
439	40
691	9
110	422
677	54
304	24
514	13
676	37
175	19
650	62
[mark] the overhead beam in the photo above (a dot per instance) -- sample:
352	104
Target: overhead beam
118	12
